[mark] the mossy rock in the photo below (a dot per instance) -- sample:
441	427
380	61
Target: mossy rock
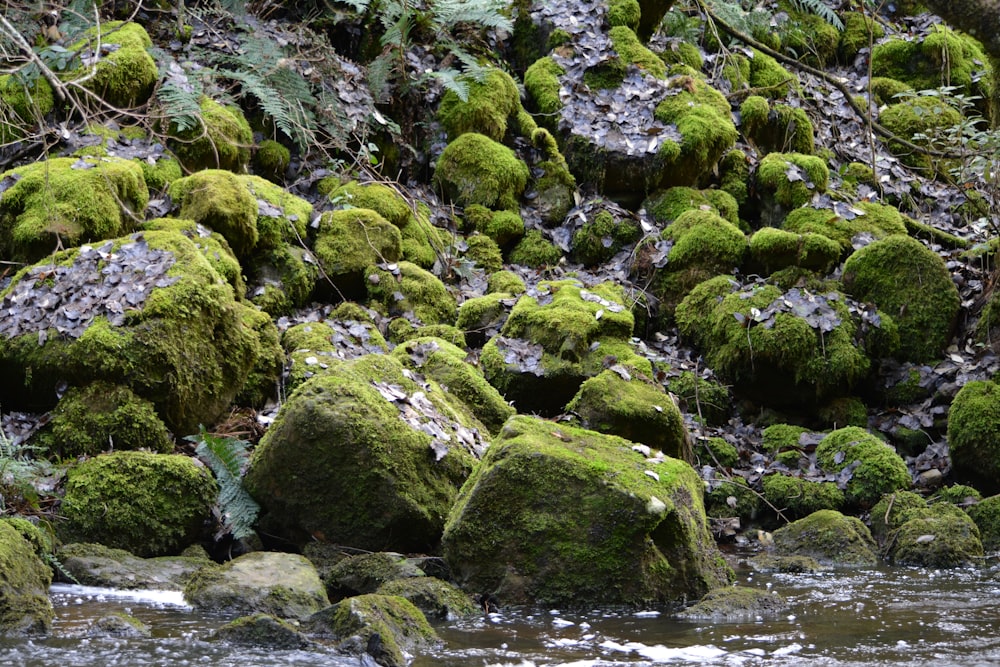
958	494
483	252
68	201
25	103
974	435
25	578
599	239
892	511
284	279
183	342
481	317
388	625
349	241
405	288
716	451
118	624
219	200
264	631
446	364
789	360
732	496
489	106
280	584
946	538
633	409
797	497
503	282
271	160
474	169
705	399
776	128
736	603
667	205
878	469
148	504
786	181
281	216
535	251
221	140
561	515
920	115
776	249
437	599
354	443
212	245
734	176
986	514
900	275
541	81
89	420
504	227
314	346
843	411
760	72
93	564
829	537
859	31
811	37
125	76
365	573
876	222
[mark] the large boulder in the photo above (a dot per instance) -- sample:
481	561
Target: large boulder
260	582
974	435
868	466
24	585
147	312
148	504
556	514
829	537
363	455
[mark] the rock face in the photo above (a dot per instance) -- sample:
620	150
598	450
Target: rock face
363	454
279	584
24	585
561	515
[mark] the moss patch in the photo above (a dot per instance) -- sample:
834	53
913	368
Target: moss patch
974	435
878	469
474	169
222	139
829	537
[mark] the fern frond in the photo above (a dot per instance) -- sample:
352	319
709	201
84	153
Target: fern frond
227	457
818	8
452	80
180	96
485	13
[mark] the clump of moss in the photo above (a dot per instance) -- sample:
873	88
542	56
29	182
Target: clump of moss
877	220
859	31
666	206
485	252
778	127
598	240
705	399
776	249
506	282
878	468
26	608
148	504
797	497
782	440
213	247
348	241
123	76
716	451
791	179
924	116
943	536
410	289
271	160
986	514
958	494
89	420
535	251
504	227
541	81
760	72
974	435
220	201
843	411
925	309
487	109
730	497
474	169
829	537
222	139
26	103
734	175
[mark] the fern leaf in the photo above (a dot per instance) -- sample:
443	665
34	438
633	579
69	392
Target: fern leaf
227	457
452	80
180	97
485	13
818	8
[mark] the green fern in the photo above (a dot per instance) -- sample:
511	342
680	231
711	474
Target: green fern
818	8
179	97
228	457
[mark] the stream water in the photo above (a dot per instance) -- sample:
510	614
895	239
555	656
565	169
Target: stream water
879	616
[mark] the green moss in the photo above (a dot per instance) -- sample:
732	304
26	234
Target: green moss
762	73
633	52
26	103
222	139
400	627
26	578
797	497
779	438
958	494
734	175
54	204
377	197
348	241
974	435
777	128
811	38
504	281
101	416
122	76
892	511
666	206
212	245
683	53
410	289
148	504
557	514
881	469
776	249
282	217
284	279
791	178
904	277
945	538
161	174
504	227
474	169
598	240
220	201
927	116
877	220
485	252
732	497
534	251
704	399
625	13
271	160
843	411
736	603
632	409
829	537
487	109
859	31
703	239
435	598
541	81
986	514
716	451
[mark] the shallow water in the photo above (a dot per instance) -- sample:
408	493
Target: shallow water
878	616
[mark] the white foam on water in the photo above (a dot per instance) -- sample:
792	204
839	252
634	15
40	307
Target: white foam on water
787	650
661	653
146	596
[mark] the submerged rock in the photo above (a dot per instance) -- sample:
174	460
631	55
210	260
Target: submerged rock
735	603
262	630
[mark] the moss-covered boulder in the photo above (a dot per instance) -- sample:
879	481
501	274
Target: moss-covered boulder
639	410
902	276
869	221
559	515
25	103
665	206
481	317
986	514
282	218
735	603
786	181
282	585
796	497
283	279
793	346
364	455
146	311
925	116
405	289
262	630
97	565
599	239
212	245
313	346
875	467
219	200
447	365
148	504
760	72
945	537
491	104
387	628
124	74
101	416
221	139
474	169
775	249
271	160
348	241
829	537
535	251
556	338
118	624
365	573
435	598
776	128
892	511
24	582
504	227
63	202
974	435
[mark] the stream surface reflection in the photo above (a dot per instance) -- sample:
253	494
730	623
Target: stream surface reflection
878	616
